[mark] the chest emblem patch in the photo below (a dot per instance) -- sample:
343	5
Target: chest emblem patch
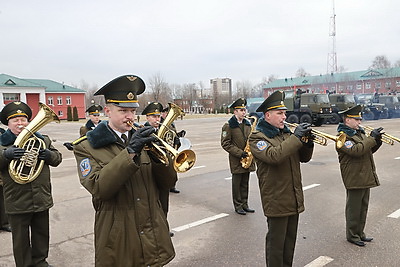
262	145
348	144
85	167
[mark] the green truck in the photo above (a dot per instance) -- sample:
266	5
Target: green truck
340	102
307	107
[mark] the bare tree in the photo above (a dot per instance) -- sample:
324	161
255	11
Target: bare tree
380	62
397	64
90	98
243	89
159	88
301	72
341	69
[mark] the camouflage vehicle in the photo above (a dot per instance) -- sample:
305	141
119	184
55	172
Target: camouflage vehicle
307	107
392	104
340	102
372	110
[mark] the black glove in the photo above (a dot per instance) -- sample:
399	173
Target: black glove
13	152
244	155
376	133
177	142
302	130
69	146
140	138
181	133
44	154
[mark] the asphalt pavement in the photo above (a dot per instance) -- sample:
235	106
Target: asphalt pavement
207	230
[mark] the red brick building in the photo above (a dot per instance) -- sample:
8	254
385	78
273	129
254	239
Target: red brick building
57	96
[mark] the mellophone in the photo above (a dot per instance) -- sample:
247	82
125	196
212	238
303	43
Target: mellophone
321	138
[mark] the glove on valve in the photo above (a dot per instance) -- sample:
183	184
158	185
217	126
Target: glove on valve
140	138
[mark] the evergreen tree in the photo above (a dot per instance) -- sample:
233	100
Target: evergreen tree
69	113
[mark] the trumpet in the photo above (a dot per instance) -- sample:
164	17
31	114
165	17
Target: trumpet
183	161
386	138
321	138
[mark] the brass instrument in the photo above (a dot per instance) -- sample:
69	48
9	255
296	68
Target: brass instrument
27	168
386	138
321	138
183	161
246	162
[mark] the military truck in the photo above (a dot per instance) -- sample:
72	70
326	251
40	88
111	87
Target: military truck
392	104
252	105
372	110
340	102
307	107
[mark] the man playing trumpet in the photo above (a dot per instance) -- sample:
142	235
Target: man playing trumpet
278	153
358	172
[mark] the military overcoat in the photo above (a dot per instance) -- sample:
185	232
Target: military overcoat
356	159
233	140
89	125
130	226
278	155
30	197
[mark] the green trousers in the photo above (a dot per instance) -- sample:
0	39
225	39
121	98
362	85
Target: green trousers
356	213
30	236
280	241
240	190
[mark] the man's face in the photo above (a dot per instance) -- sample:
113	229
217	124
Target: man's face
17	124
94	118
276	117
164	114
154	120
352	123
118	117
239	113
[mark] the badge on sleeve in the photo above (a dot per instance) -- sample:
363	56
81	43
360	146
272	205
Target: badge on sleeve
262	145
85	167
224	134
348	144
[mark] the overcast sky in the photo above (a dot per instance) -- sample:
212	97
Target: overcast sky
191	41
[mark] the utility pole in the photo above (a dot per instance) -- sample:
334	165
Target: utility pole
332	57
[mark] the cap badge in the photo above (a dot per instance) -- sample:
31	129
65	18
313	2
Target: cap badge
130	96
19	111
131	78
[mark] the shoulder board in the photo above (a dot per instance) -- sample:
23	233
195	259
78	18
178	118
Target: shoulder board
80	139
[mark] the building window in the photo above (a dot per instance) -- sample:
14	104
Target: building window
11	96
60	113
368	85
359	86
50	101
68	100
388	84
377	85
397	83
59	100
350	87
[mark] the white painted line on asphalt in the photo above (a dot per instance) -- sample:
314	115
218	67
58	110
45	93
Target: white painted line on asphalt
197	223
310	186
228	178
198	167
397	158
320	261
395	214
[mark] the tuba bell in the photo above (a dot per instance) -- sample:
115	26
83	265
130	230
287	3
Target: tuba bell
28	167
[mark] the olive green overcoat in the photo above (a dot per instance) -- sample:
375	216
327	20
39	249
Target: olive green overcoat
356	160
233	140
30	197
278	155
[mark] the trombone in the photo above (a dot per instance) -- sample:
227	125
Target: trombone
386	138
321	138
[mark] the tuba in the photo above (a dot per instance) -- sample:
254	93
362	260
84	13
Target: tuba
246	162
28	167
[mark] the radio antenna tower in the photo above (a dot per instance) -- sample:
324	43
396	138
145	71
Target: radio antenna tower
332	57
